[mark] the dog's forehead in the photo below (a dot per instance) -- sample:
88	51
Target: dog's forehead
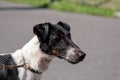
60	30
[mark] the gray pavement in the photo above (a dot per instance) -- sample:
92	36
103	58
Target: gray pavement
97	36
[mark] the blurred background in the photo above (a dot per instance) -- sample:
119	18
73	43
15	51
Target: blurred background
95	28
94	7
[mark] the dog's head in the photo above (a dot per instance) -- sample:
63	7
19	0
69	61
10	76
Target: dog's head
55	39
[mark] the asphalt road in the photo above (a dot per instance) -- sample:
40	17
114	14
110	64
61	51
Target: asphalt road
97	36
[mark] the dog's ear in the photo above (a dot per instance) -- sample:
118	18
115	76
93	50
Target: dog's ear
42	31
64	25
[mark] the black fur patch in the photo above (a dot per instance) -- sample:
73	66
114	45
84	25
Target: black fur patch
55	37
8	74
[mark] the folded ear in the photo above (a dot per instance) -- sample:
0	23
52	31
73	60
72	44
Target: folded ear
42	31
64	25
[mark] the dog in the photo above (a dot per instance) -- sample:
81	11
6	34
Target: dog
29	62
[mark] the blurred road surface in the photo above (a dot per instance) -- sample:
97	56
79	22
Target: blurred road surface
97	36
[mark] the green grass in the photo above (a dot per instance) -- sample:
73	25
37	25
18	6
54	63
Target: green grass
113	4
74	7
66	5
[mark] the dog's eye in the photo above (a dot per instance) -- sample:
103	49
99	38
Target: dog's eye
57	39
54	41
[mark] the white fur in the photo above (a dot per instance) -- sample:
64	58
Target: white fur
34	57
70	54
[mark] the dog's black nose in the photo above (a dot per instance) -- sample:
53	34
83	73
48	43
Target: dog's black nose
80	54
82	57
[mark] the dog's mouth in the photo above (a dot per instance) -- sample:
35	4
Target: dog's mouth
74	60
73	57
70	56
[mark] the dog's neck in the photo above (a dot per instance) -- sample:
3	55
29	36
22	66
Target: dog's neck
33	55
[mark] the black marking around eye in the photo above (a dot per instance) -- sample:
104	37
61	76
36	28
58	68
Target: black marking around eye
69	35
55	41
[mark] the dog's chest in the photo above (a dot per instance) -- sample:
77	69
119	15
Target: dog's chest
44	63
28	75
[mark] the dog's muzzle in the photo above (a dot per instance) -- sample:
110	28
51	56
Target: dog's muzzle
74	56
